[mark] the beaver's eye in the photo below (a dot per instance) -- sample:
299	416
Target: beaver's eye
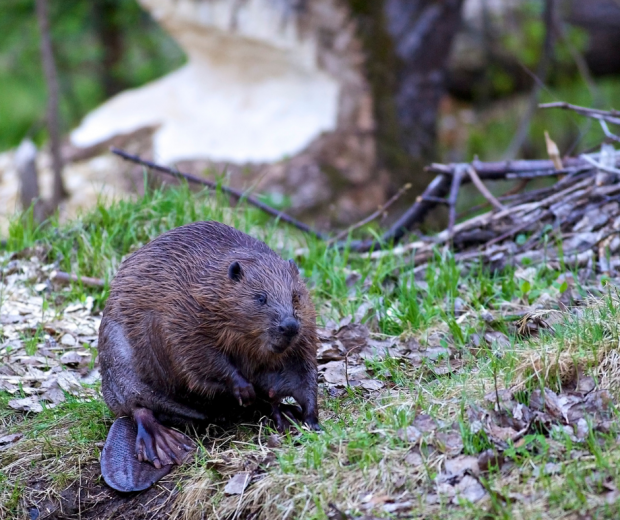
261	299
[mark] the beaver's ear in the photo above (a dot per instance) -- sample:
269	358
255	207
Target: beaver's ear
235	273
293	266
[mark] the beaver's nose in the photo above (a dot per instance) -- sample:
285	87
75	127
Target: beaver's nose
289	327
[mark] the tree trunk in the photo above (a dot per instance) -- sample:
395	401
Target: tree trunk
108	29
53	117
407	45
330	104
25	164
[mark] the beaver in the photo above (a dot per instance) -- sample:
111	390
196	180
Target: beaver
201	316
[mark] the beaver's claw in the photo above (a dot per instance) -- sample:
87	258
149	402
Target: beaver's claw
157	444
242	390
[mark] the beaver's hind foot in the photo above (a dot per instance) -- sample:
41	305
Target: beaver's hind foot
157	444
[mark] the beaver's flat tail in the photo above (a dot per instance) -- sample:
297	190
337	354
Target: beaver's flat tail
120	468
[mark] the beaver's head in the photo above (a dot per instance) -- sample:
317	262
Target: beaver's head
267	303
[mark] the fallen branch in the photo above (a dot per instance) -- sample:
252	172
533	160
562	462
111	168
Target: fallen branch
483	189
239	195
576	174
63	277
611	116
416	213
454	193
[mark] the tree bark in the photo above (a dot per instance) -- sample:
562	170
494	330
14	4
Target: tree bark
53	116
357	83
407	45
25	164
423	31
108	29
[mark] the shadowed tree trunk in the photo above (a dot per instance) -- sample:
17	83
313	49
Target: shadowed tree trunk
407	44
109	31
340	98
25	164
53	117
422	31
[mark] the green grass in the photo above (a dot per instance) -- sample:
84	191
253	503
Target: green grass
359	450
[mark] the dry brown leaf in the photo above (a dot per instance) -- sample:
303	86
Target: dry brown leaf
353	335
425	423
490	459
450	442
237	484
6	441
410	434
465	487
371	384
26	404
413	458
497	339
461	464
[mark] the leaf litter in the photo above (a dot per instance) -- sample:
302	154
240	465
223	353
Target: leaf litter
44	354
47	354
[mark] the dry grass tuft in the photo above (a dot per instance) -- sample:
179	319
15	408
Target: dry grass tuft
587	344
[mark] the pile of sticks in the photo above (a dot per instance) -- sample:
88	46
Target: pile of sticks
574	222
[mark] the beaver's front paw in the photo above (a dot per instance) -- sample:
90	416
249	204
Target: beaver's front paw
242	390
286	415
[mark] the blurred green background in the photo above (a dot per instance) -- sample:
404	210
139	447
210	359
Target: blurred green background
101	47
105	46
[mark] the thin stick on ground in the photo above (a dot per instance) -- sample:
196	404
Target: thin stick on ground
61	276
238	195
438	187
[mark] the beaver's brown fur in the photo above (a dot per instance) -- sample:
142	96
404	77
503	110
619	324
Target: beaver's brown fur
201	313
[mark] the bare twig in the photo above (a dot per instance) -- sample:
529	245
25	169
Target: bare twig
61	276
435	200
473	175
454	193
371	217
346	363
238	195
600	166
521	169
611	116
607	133
53	117
415	214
